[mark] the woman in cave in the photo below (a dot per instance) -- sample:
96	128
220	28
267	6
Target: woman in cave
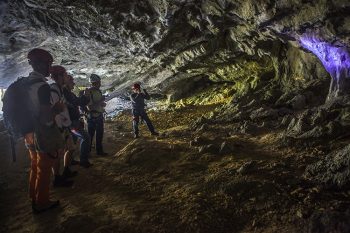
138	109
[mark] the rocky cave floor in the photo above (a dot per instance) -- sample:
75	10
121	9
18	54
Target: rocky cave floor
199	175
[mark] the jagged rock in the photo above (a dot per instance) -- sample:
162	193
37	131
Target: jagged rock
264	113
249	128
284	99
335	129
338	102
203	128
298	102
197	124
333	170
238	116
301	124
197	141
225	148
212	115
286	120
246	167
211	148
319	117
284	111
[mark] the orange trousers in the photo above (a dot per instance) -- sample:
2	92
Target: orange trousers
40	173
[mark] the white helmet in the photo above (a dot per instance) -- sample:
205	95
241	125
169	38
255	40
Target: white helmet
94	78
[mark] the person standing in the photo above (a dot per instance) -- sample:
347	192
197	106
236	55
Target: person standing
138	110
96	109
42	110
63	121
77	127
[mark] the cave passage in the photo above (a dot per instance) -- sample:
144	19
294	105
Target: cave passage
249	101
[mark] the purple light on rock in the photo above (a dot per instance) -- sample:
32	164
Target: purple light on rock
336	60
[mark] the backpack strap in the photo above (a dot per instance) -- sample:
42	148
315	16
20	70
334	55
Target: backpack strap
57	92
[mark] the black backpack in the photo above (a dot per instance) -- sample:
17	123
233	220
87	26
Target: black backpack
18	109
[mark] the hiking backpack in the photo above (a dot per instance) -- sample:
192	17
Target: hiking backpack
18	109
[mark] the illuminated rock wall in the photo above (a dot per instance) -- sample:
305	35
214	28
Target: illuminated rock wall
162	43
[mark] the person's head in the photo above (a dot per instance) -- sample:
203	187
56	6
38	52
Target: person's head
95	80
41	61
136	87
58	74
69	82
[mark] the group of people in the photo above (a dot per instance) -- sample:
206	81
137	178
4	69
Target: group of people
56	125
59	125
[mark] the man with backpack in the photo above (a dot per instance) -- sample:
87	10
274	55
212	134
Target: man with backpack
63	121
28	112
138	109
96	109
77	128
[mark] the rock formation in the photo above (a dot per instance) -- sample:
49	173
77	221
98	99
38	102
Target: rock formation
268	66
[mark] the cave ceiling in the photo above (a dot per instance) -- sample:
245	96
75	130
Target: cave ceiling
158	42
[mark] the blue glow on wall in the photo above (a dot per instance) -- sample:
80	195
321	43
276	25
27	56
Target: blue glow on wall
335	59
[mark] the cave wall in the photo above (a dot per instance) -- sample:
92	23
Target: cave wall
241	42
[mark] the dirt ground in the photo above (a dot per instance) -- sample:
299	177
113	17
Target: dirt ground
175	183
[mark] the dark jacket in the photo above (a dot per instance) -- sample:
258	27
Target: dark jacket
138	100
74	103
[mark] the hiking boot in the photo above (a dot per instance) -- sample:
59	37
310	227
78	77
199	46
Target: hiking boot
37	209
86	164
61	181
67	173
155	133
74	162
102	153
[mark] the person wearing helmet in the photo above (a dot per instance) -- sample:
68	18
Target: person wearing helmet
63	121
77	127
96	108
41	162
138	109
